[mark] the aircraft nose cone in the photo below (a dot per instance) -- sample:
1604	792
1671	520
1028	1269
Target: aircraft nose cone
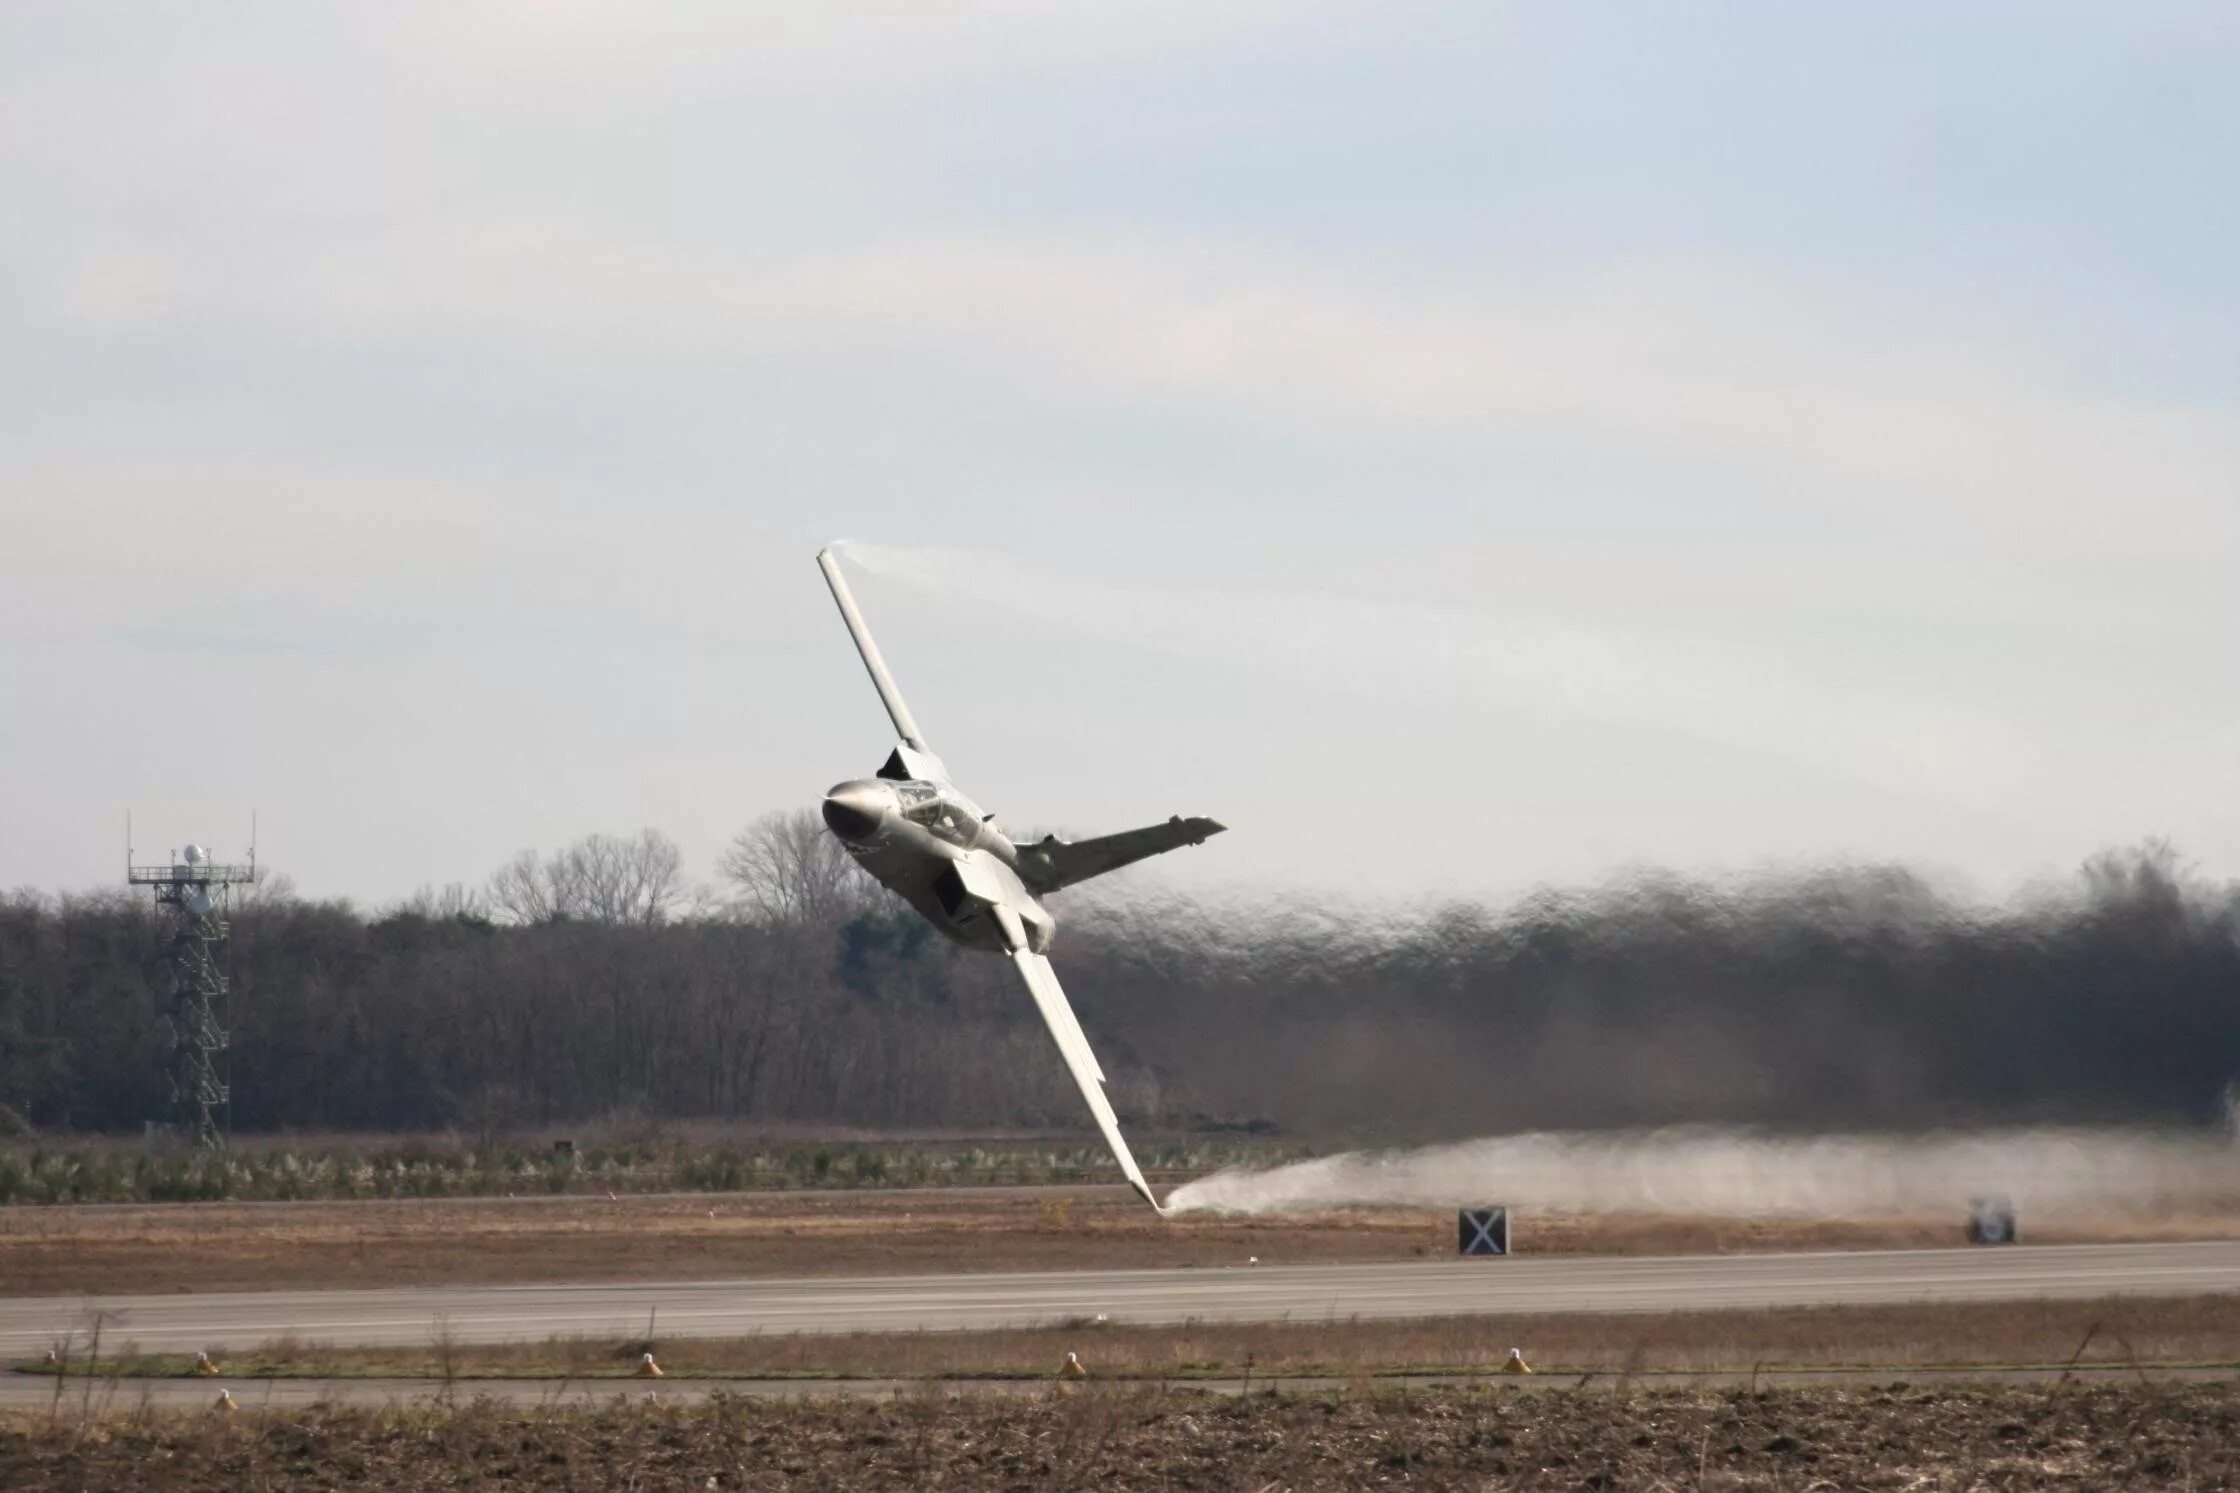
853	810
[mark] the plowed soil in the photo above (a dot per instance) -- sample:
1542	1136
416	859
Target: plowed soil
2071	1436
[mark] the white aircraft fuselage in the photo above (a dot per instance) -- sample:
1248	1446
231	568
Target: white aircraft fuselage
933	847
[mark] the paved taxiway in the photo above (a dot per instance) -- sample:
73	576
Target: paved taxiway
1579	1283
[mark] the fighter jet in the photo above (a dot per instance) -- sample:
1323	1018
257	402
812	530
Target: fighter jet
910	827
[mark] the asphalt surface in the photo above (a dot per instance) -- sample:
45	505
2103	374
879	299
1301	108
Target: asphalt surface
481	1314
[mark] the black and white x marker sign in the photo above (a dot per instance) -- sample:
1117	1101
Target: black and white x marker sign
1485	1231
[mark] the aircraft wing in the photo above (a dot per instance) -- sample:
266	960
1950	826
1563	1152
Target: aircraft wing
1054	863
1057	1014
890	695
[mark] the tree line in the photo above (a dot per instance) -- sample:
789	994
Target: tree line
596	980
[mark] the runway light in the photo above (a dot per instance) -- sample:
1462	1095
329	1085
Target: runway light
1072	1369
225	1405
203	1365
647	1368
1516	1363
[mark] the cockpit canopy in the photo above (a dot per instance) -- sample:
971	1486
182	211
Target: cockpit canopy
941	810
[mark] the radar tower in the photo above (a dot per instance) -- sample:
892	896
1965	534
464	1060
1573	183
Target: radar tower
193	895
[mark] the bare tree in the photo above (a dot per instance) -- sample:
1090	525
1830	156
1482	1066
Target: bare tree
786	869
637	879
523	891
454	899
610	879
270	889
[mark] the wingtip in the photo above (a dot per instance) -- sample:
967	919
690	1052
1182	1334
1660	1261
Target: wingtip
1143	1190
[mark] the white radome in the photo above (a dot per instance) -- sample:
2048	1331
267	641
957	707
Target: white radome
194	855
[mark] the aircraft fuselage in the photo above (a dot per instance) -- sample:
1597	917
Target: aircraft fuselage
928	843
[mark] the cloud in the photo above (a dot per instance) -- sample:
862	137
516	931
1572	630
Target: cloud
1820	403
1624	390
565	327
854	50
1858	406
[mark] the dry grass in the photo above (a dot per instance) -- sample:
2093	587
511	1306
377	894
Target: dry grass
635	1158
2118	1332
250	1246
2072	1436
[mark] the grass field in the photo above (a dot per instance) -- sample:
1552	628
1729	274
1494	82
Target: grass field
600	1159
73	1249
2117	1332
2068	1436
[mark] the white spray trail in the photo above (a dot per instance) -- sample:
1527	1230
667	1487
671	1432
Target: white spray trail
1740	1174
1424	650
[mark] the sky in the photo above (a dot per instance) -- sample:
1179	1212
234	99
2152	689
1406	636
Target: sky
1461	447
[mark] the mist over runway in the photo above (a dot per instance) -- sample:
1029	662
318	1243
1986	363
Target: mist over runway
2133	1174
412	1318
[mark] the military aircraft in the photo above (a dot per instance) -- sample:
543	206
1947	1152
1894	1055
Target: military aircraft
911	828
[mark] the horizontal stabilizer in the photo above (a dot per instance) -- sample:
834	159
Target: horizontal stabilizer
1053	863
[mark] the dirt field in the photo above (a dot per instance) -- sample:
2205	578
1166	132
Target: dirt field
70	1249
2071	1436
2118	1332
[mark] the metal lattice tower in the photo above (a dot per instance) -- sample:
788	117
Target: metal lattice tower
192	896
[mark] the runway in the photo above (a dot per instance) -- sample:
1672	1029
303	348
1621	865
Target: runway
480	1314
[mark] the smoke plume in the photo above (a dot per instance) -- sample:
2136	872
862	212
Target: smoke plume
1733	1173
